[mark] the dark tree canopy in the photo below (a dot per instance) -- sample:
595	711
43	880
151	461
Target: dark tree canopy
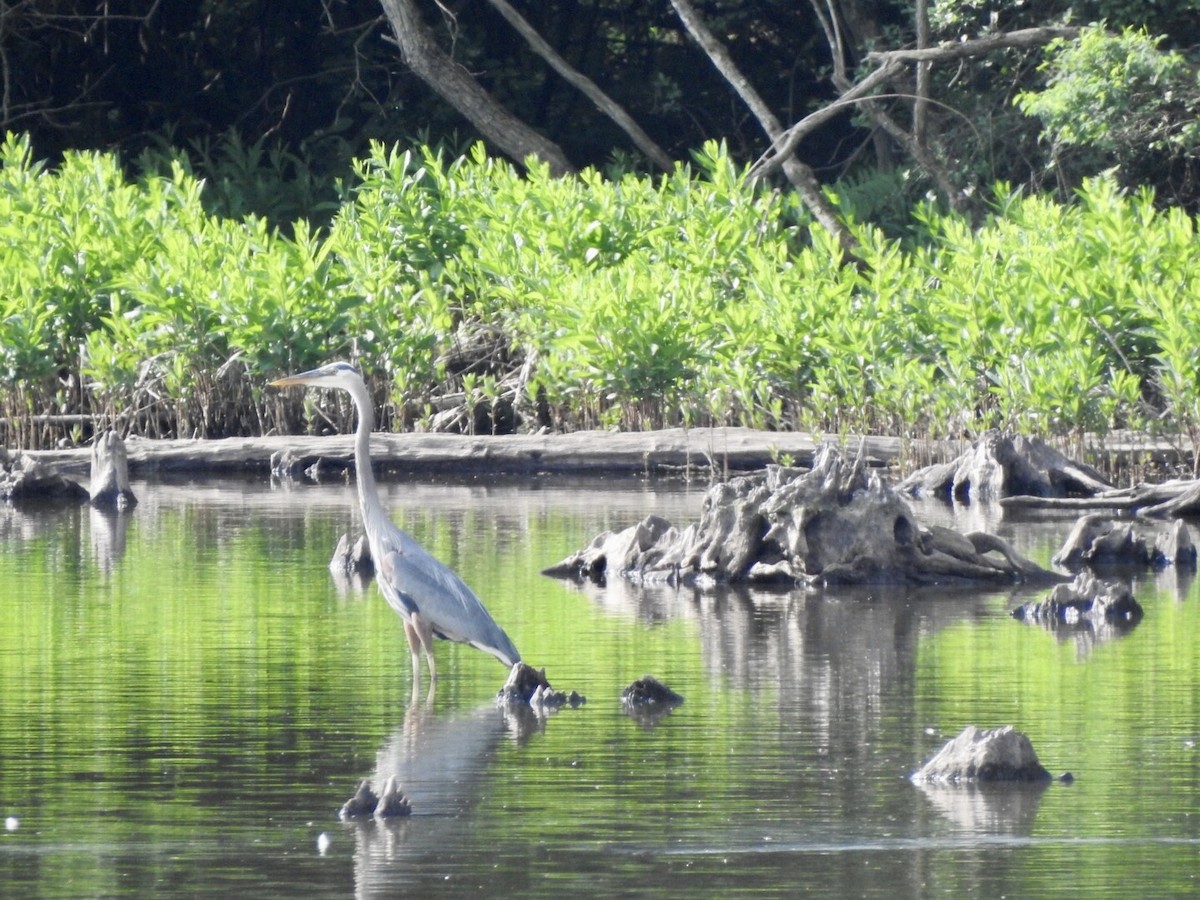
322	80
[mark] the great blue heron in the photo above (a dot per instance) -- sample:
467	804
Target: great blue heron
432	600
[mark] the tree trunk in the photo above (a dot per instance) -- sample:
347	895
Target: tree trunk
801	176
454	84
586	86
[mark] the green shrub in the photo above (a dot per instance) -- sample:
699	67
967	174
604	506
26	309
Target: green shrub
477	297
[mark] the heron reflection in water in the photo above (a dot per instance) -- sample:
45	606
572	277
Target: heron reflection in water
429	596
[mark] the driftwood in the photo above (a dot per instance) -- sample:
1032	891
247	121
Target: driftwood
714	451
23	479
835	524
1098	540
1001	465
1178	498
983	755
110	474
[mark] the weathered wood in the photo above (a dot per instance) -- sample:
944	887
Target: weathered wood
109	484
1098	540
1178	497
834	524
1000	464
715	450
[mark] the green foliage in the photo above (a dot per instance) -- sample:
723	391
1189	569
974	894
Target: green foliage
1117	98
1118	93
476	297
260	178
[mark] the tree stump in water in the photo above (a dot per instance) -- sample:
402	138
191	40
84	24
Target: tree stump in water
350	559
1098	540
110	474
835	524
1085	601
1002	465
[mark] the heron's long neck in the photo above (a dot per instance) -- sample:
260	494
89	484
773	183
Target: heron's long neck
368	495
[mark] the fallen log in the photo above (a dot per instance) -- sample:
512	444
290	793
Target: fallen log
713	451
24	479
1179	498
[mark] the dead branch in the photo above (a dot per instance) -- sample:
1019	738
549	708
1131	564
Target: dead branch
801	176
454	84
891	63
586	86
1024	39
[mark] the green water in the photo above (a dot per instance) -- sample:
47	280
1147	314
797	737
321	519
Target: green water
188	696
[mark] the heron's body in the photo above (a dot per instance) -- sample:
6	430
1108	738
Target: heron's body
429	596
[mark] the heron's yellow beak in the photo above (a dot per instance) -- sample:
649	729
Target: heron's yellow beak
299	380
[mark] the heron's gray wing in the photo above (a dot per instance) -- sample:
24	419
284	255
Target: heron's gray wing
422	584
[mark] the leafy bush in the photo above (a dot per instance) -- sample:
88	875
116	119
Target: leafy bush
1117	99
478	298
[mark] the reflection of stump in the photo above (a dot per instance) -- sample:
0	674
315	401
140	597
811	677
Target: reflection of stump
1002	465
110	473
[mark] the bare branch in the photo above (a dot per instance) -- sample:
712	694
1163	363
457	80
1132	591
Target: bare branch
455	85
586	86
1024	39
785	144
891	63
801	176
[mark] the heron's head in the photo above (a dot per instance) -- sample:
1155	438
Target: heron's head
335	375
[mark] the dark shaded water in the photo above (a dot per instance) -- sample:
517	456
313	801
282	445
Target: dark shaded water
188	697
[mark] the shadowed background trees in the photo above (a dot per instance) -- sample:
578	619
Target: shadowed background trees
296	90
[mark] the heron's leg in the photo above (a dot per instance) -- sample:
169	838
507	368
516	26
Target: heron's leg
414	648
425	633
